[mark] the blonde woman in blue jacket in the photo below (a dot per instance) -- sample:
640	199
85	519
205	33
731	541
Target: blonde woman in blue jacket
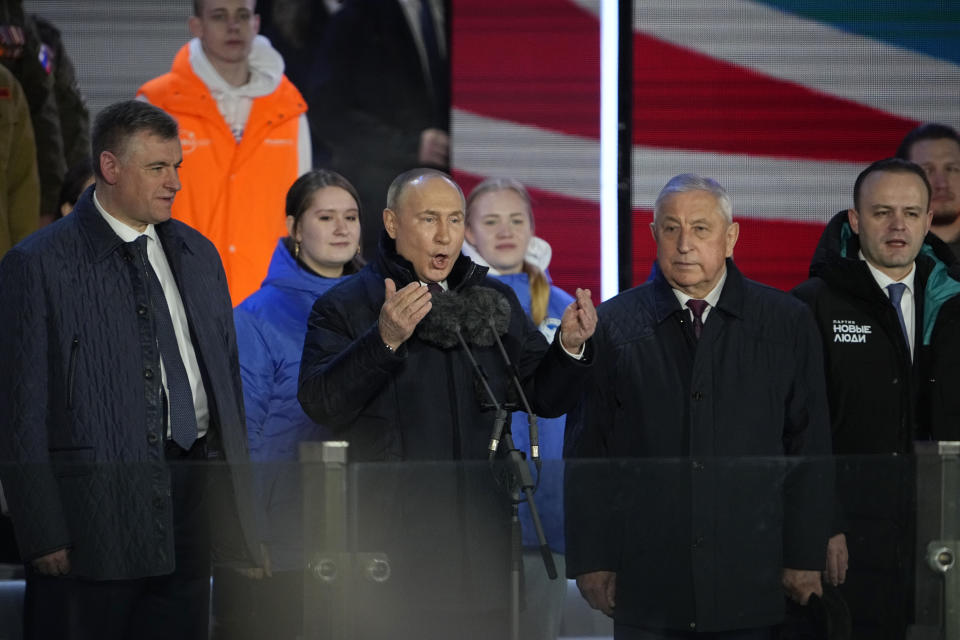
500	234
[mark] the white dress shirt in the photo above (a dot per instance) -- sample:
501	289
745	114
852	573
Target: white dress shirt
907	302
712	299
443	284
158	260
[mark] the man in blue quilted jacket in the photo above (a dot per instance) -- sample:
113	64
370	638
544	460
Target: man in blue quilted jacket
119	370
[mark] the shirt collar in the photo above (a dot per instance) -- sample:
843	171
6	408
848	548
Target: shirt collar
712	298
443	284
883	280
126	233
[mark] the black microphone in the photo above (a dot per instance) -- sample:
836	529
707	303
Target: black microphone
440	326
479	316
501	416
531	416
486	314
486	318
478	313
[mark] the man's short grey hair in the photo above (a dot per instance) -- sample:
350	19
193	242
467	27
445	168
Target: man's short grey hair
686	182
405	179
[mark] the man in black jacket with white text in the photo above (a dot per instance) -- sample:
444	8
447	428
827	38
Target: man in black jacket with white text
886	296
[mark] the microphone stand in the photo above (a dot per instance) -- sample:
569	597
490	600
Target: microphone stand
545	552
531	416
521	484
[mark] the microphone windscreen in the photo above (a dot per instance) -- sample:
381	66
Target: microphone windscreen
439	327
485	310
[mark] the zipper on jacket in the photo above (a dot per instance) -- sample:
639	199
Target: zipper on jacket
72	368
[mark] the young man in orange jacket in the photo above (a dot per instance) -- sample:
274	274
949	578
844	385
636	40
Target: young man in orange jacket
244	134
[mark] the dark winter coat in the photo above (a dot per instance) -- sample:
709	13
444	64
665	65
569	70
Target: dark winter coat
718	500
82	426
880	403
445	526
419	403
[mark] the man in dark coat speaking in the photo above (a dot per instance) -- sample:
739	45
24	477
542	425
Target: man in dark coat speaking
366	372
885	292
119	373
378	372
721	380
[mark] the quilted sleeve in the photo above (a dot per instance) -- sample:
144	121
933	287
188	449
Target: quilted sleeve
257	369
28	480
341	372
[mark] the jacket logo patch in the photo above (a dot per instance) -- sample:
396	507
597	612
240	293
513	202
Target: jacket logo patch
189	141
549	327
279	142
850	331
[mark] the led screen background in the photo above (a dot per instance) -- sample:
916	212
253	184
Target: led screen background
783	102
116	45
526	98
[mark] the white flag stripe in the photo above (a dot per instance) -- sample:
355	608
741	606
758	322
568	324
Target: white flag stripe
792	48
568	165
760	187
565	164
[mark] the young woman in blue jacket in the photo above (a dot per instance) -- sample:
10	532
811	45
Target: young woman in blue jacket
322	248
500	234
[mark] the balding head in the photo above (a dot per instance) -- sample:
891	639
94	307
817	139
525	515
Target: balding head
425	216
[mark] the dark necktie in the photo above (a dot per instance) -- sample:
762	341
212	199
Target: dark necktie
896	294
434	288
183	415
697	307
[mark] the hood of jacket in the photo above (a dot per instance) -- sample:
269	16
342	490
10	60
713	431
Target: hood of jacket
836	260
539	253
266	70
285	273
